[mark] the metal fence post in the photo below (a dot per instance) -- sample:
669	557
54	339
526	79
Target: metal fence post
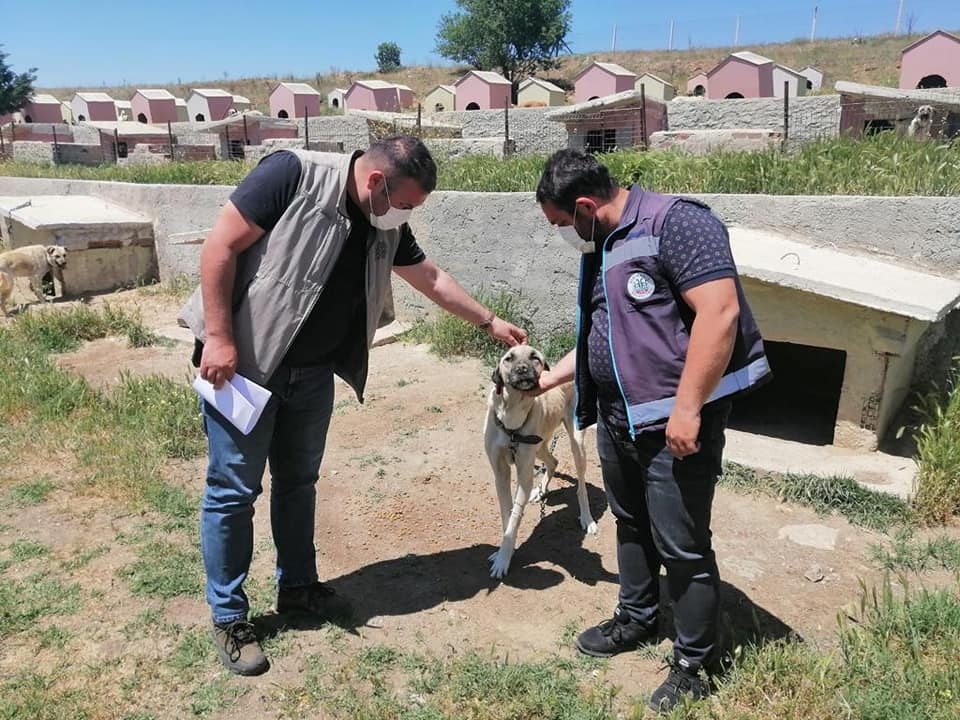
419	113
246	137
643	116
306	128
786	112
116	145
506	129
170	138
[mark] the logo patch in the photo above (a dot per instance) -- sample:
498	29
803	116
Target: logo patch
640	286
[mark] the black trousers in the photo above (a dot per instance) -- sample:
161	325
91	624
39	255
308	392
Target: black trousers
662	506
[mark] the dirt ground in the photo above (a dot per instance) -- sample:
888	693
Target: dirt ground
406	518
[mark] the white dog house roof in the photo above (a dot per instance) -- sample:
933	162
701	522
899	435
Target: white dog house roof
57	212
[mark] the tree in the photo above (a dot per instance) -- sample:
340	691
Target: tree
517	37
388	57
15	89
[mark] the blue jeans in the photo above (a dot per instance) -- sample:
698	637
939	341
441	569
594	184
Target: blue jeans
291	435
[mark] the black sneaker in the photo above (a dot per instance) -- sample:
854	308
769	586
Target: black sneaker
616	635
680	683
238	648
316	599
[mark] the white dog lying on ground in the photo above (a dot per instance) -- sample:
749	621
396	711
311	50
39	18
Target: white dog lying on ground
31	261
517	432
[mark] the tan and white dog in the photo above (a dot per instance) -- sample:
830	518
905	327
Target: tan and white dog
517	432
31	261
921	125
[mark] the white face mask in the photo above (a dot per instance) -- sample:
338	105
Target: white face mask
570	235
392	218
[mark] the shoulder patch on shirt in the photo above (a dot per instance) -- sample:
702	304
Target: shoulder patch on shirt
640	286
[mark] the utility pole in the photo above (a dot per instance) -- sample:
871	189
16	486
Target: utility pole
736	34
613	41
670	44
813	26
899	15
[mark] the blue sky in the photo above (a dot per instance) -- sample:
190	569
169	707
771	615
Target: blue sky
73	42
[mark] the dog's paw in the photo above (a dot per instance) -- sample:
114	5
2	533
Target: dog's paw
535	494
589	525
499	564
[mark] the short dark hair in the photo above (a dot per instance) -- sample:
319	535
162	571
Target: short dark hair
570	174
405	156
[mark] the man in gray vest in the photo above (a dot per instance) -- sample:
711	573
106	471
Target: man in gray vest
294	277
665	340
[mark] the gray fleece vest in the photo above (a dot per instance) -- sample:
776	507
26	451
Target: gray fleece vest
280	277
649	323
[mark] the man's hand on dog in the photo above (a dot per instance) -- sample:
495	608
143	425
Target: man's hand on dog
218	363
507	333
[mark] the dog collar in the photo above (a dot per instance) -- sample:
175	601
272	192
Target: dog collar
515	436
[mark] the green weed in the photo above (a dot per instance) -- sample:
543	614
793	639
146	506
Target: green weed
937	491
30	493
23	549
165	570
22	603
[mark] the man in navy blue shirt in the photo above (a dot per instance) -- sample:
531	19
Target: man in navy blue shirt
665	340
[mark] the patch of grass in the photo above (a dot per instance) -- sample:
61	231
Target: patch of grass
883	164
83	557
178	287
63	330
22	603
383	683
53	636
937	492
449	336
32	384
23	549
206	172
905	553
860	505
162	408
33	492
193	650
165	570
40	697
215	696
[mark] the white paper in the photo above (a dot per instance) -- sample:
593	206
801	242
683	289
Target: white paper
239	400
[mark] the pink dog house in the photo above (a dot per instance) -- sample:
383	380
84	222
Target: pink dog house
372	95
741	75
407	97
93	107
153	106
42	109
208	104
294	100
483	90
601	79
697	85
931	62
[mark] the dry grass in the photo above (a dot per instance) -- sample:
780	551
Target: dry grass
872	59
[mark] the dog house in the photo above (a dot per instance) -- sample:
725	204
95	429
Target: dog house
932	61
108	246
612	122
441	98
741	75
842	332
601	79
866	109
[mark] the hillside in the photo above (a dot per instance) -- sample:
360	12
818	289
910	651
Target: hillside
873	59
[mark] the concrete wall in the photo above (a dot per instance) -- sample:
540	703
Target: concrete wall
530	131
810	117
33	152
350	130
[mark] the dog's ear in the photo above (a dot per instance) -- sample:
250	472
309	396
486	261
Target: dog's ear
496	377
51	249
546	365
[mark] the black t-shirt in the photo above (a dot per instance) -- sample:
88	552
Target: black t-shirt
339	315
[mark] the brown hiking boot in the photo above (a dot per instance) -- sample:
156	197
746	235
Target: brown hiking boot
238	648
316	599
